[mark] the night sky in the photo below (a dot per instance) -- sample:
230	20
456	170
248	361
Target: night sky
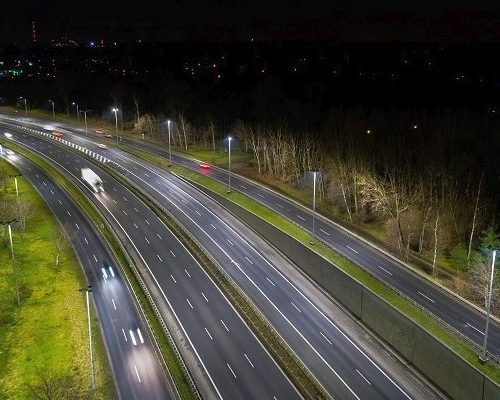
277	20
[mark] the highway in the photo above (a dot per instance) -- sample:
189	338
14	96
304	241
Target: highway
450	309
137	371
344	367
229	356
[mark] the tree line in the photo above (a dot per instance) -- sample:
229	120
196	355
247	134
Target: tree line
429	179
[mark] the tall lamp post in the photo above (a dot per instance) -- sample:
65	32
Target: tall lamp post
229	163
17	197
484	356
8	223
3	169
25	105
92	374
77	112
53	110
85	117
315	172
169	151
115	110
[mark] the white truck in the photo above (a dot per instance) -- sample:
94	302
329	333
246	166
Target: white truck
92	179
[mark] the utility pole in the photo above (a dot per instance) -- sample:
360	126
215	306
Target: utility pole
229	164
92	373
53	110
169	151
17	199
3	170
484	356
314	207
115	110
8	223
85	116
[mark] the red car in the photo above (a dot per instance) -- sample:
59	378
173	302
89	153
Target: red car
205	166
57	134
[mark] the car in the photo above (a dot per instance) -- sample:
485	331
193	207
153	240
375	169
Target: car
57	134
9	152
98	132
102	146
139	335
108	135
107	270
205	166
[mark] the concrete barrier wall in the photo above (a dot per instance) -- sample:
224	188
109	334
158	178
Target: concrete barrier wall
389	324
452	374
491	391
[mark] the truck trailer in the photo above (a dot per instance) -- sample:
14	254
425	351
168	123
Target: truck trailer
92	179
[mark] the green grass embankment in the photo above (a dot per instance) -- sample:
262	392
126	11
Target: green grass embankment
46	335
172	362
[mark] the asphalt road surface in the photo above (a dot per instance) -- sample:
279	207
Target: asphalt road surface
345	369
232	359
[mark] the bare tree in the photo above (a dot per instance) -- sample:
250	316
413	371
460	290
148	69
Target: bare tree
185	129
480	272
391	196
49	386
434	258
212	132
474	217
25	211
136	103
61	240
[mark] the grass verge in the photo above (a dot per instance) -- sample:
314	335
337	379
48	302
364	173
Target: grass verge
427	322
172	362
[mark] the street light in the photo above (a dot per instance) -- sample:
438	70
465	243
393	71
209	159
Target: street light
53	111
77	112
25	105
169	151
3	169
314	206
17	200
85	117
8	223
484	358
92	375
115	110
229	163
15	183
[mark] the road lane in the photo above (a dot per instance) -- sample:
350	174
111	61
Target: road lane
164	256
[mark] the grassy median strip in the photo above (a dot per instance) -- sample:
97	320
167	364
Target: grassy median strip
44	340
429	323
173	364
